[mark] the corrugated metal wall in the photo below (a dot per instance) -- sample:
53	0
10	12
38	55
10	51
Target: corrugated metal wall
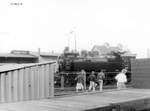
140	69
27	82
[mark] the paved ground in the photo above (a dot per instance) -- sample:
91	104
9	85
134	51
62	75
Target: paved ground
78	102
72	90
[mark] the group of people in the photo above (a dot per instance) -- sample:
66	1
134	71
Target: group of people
81	80
93	79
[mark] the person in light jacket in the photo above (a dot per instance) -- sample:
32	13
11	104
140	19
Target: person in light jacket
100	78
121	79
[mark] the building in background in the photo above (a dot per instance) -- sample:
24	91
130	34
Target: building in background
107	50
21	57
17	56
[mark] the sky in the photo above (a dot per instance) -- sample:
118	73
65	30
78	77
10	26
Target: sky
46	24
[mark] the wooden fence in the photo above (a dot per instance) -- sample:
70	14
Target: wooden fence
27	82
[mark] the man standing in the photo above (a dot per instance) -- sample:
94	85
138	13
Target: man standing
100	78
121	79
84	78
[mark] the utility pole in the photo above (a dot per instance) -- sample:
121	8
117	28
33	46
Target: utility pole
39	53
68	37
148	53
75	37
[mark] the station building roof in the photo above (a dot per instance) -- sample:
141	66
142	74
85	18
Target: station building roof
27	54
11	55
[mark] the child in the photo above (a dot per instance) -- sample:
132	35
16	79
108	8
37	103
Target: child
121	79
92	80
80	79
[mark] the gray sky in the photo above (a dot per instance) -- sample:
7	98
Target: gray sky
46	24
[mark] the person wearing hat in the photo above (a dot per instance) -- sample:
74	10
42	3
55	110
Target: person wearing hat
121	79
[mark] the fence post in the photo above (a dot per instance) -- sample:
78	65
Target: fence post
42	81
51	80
2	87
62	82
32	83
9	86
47	80
15	85
21	84
26	84
37	82
84	74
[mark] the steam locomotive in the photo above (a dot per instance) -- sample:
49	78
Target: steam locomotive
70	64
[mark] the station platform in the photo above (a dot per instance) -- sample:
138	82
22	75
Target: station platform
110	100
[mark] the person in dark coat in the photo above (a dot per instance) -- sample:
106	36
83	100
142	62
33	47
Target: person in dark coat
92	79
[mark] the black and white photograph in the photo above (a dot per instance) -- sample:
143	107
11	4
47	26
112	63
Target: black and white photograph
74	55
